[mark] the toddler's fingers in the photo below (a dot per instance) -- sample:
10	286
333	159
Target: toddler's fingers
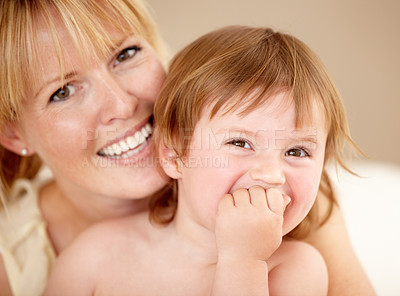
226	202
286	200
258	197
241	197
275	201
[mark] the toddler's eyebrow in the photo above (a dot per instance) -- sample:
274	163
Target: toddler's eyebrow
236	130
312	140
299	140
300	135
308	136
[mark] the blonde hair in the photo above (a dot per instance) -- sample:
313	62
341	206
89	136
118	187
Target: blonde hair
222	70
84	21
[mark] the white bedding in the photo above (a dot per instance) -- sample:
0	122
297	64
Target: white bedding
371	205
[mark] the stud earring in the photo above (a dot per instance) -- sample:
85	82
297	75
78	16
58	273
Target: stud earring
24	152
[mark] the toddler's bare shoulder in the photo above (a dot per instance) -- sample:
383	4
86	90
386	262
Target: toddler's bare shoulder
296	253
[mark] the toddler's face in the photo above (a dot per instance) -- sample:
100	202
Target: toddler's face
261	148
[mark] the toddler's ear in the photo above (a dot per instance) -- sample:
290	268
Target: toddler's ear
169	161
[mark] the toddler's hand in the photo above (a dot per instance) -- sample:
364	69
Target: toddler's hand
249	223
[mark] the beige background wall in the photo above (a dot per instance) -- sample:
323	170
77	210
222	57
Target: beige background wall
359	41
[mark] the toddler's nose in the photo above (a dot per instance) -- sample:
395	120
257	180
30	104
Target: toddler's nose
269	173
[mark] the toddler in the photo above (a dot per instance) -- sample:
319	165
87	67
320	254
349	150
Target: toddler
246	122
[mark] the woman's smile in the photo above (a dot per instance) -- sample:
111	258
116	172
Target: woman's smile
130	145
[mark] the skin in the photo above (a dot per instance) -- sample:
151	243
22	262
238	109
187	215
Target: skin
346	275
266	134
116	99
108	100
67	216
228	236
4	284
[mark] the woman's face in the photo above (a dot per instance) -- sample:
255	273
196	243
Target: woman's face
95	131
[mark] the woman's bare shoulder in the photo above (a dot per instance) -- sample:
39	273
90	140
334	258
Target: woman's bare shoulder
346	275
4	283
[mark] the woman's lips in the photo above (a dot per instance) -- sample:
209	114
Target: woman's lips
128	146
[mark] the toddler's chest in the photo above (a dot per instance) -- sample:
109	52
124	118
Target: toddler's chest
158	280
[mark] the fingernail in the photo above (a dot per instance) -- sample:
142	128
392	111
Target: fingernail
287	200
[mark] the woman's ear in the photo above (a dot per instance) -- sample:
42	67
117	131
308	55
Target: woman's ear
11	139
170	161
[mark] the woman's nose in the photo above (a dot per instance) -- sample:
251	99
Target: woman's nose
268	172
117	102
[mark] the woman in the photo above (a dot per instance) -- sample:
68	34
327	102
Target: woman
78	83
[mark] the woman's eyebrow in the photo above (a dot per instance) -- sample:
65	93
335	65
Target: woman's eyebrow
116	44
66	76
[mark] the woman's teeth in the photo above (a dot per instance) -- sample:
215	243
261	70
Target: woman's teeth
130	145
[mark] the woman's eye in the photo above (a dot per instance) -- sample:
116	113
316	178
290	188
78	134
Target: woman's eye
126	54
63	93
297	152
240	143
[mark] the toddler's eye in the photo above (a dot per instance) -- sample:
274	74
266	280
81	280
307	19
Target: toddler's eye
240	143
297	152
126	54
63	93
